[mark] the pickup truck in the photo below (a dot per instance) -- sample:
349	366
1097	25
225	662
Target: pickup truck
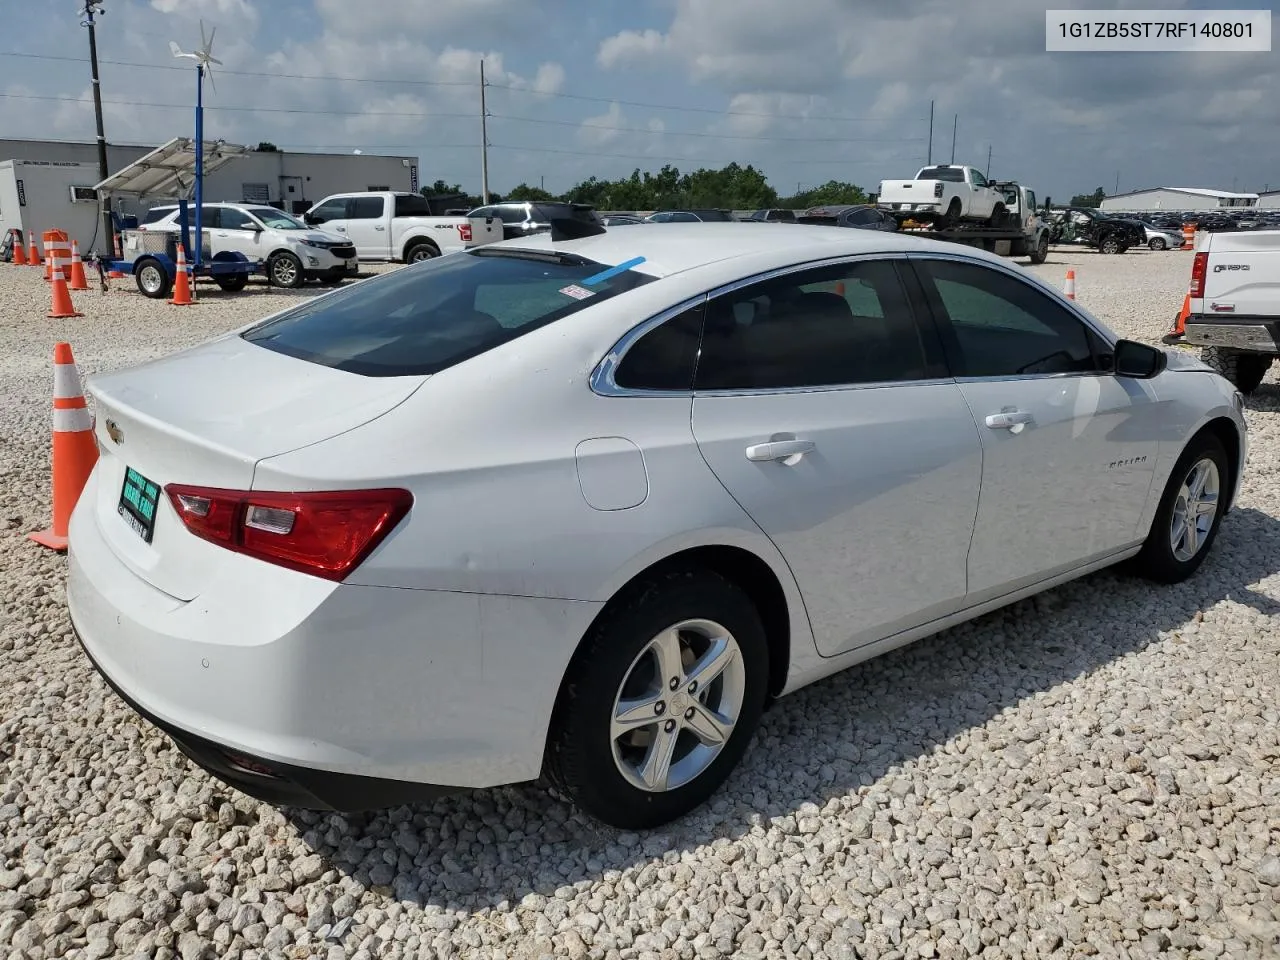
385	225
1233	311
943	195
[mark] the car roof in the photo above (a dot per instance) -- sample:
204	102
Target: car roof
671	248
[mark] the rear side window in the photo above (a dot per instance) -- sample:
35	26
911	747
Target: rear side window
412	205
366	208
426	318
665	357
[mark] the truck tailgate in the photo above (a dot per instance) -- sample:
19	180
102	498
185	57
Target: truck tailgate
483	230
1241	275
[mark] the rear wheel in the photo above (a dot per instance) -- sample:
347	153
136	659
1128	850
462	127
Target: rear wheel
1041	252
949	218
1190	512
1157	243
152	278
1110	245
421	251
1244	370
661	701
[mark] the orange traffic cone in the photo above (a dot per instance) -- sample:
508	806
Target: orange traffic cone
78	279
19	252
839	288
181	283
33	253
74	449
62	306
1070	288
1179	323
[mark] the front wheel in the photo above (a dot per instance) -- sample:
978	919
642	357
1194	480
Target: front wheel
1157	243
1111	245
660	702
1189	514
153	279
998	215
285	270
1242	370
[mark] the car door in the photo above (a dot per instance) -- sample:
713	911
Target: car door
1069	449
330	216
823	406
367	227
982	199
239	233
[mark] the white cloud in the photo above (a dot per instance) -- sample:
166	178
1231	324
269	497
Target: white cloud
630	47
549	78
602	129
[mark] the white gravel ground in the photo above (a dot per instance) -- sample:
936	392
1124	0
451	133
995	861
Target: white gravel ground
1093	772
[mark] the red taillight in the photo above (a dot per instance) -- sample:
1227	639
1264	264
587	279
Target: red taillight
327	533
1199	267
464	231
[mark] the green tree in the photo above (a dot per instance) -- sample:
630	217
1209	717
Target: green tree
524	192
1089	199
266	146
831	193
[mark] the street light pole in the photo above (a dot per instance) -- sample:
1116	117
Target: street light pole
89	11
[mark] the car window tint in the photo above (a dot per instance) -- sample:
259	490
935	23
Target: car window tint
209	217
664	358
422	320
233	219
512	214
846	324
1004	326
367	208
412	205
331	210
156	214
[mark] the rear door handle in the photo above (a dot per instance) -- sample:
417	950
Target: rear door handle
379	227
1008	420
779	450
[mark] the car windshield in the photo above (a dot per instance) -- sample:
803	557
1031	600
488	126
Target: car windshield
949	174
423	319
277	219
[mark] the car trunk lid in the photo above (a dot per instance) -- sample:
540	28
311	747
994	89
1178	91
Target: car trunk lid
206	416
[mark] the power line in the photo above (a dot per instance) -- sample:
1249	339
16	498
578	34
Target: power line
713	136
186	106
664	158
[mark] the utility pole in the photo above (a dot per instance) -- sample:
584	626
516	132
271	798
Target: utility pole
484	143
954	123
929	160
1117	193
988	173
89	10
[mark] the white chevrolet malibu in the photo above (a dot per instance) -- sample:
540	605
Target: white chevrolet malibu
583	503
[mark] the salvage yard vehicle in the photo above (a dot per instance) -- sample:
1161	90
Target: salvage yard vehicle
1093	228
585	502
1234	312
943	195
520	218
292	251
1022	231
390	226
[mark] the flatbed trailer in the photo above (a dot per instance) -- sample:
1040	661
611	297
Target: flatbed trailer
1020	233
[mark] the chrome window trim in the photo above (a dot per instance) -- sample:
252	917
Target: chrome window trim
602	377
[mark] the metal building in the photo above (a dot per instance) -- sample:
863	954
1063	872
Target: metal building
290	181
1269	200
1177	198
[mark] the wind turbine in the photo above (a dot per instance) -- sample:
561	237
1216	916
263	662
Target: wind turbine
204	59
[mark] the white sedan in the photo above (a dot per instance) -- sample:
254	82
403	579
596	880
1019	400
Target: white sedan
582	505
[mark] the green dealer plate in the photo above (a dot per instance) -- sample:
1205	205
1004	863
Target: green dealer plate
138	501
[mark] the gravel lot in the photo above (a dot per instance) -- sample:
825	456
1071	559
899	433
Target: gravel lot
1092	772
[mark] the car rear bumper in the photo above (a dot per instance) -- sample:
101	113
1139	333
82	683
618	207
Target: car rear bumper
1261	335
299	691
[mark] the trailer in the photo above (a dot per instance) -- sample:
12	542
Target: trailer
40	195
1021	232
151	256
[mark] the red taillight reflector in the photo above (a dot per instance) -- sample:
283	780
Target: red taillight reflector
326	533
1199	267
464	232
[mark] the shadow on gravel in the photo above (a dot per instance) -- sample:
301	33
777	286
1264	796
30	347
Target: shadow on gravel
481	850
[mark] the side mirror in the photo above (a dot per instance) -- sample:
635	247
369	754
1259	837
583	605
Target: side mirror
312	219
1138	360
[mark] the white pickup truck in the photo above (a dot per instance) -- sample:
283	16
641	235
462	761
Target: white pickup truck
385	225
943	195
1234	309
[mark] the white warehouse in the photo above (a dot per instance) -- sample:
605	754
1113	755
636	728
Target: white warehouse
1270	200
1178	198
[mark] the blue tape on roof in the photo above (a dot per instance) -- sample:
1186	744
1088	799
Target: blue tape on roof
612	272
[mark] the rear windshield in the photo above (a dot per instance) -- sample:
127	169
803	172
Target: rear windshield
422	319
949	174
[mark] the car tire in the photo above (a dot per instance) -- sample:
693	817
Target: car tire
998	216
152	278
949	219
1110	245
284	269
601	770
423	250
1041	251
1157	243
1182	534
1244	370
232	283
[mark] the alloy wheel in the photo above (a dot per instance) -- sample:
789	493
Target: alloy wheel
1194	510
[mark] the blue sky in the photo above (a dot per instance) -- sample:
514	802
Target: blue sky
808	91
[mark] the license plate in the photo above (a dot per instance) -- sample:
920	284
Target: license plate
139	499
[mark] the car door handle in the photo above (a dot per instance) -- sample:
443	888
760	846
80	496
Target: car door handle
379	227
1008	419
778	450
341	229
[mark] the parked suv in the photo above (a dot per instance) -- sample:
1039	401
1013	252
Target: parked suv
293	251
522	218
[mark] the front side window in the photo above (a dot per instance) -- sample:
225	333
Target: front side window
330	210
830	326
233	219
156	214
1004	327
421	321
277	219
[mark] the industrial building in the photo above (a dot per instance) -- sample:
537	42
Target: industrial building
1177	198
1269	200
62	174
